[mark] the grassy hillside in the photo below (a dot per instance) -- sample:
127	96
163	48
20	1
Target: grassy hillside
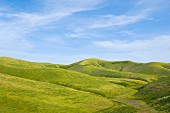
155	68
157	94
103	72
102	68
91	85
18	95
66	78
7	61
133	75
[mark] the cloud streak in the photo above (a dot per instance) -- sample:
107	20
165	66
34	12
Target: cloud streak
140	11
160	43
15	26
147	50
117	21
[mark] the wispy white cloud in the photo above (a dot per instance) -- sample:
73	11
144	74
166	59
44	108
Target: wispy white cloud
53	11
126	32
151	49
70	5
16	26
116	21
140	11
160	43
11	36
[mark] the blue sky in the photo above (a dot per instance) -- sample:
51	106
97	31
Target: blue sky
65	31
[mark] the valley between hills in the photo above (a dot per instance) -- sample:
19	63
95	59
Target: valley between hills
88	86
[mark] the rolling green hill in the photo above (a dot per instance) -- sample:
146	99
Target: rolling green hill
18	95
87	86
154	68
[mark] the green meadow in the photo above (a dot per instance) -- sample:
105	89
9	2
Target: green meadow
87	86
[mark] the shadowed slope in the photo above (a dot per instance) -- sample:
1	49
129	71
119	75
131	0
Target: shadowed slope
157	94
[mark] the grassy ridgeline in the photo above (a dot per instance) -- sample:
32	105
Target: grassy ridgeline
103	72
139	69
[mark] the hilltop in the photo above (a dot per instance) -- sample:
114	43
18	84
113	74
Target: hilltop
90	85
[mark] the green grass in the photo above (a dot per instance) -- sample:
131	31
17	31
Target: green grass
18	95
96	70
66	78
69	78
133	75
6	61
132	83
154	68
157	94
91	85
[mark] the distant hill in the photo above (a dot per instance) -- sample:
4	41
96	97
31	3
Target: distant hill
90	85
153	68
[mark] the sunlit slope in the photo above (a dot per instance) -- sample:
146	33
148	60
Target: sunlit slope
131	83
18	95
122	85
93	66
67	78
133	75
7	61
102	68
